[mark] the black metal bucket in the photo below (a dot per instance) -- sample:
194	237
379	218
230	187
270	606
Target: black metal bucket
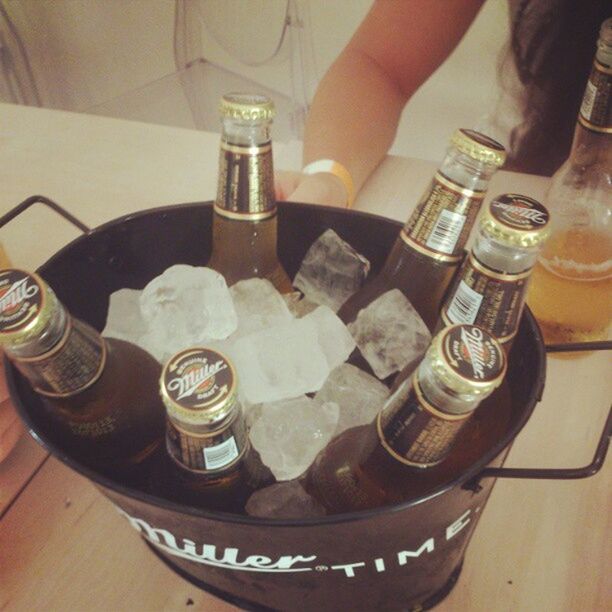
407	556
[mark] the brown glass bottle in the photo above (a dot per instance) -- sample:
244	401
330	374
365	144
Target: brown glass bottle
100	394
409	447
575	267
244	234
490	287
430	247
210	461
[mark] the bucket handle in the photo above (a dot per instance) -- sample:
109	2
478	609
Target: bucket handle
557	473
39	199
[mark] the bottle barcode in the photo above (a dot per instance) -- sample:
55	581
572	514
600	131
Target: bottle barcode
465	305
219	456
446	231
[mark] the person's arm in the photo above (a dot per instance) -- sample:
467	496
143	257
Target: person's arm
357	106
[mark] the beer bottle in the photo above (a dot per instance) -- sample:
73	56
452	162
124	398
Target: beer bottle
244	220
429	248
99	394
490	287
572	281
384	462
211	462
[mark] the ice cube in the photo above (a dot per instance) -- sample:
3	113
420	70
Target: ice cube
359	395
331	271
333	335
284	500
258	305
124	320
186	306
390	333
279	363
289	434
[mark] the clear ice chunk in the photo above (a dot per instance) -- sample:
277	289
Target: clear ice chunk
279	363
333	335
186	306
331	271
284	500
289	434
390	333
124	320
359	395
258	305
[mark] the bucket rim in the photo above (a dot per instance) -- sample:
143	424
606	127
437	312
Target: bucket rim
12	375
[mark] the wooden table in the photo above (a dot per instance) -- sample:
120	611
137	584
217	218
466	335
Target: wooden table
540	545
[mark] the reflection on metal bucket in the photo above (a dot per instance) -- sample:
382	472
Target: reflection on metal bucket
402	557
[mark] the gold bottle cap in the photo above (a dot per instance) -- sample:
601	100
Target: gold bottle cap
198	387
467	360
516	220
27	304
479	147
247	107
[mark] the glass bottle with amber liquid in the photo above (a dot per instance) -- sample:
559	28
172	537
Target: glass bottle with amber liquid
490	287
210	462
571	289
395	458
430	247
244	233
99	394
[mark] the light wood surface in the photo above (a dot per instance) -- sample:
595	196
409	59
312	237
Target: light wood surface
540	545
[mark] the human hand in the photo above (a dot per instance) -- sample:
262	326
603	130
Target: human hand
10	424
320	188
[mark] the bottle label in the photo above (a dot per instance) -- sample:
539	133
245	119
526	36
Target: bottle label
596	109
518	212
211	452
246	182
441	223
21	301
415	432
72	365
489	299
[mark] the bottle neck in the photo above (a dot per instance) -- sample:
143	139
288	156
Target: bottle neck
48	338
209	450
466	171
501	257
245	189
65	359
594	123
440	225
413	429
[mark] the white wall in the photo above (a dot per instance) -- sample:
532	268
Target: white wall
116	57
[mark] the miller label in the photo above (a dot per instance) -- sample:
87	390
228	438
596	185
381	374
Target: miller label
519	212
21	300
596	108
205	430
246	182
441	223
